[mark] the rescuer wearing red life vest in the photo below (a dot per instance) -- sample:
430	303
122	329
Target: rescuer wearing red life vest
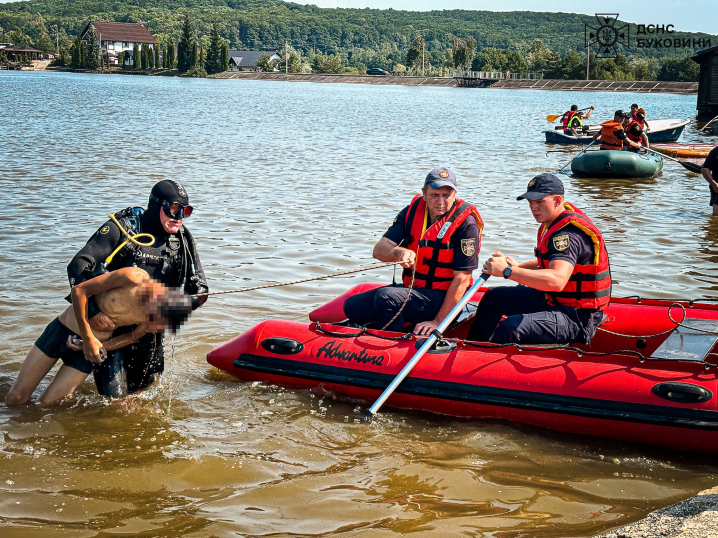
573	125
612	135
437	237
563	290
636	130
566	118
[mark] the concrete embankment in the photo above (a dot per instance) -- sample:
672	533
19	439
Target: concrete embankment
544	84
637	86
346	79
696	517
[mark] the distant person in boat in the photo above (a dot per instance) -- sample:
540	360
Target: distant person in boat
128	297
576	126
566	118
437	238
635	130
635	111
710	173
562	292
612	135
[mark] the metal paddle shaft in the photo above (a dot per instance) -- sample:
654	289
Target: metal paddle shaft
436	335
691	167
578	154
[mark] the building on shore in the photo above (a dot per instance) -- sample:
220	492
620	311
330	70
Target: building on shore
707	82
116	37
240	60
14	54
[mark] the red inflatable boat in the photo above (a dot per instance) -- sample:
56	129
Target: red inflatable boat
643	378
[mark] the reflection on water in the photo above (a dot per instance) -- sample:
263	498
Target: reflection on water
292	181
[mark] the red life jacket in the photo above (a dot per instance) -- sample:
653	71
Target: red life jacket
433	246
566	118
608	139
631	135
589	285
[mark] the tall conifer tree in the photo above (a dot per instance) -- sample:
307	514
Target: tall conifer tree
135	56
187	47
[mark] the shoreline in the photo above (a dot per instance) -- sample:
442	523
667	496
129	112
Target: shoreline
681	88
696	517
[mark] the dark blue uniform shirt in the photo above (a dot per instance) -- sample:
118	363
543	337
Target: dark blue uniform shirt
468	229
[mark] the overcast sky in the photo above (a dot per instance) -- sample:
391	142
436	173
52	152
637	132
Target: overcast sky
687	15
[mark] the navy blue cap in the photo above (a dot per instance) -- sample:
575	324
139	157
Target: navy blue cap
441	177
622	114
541	186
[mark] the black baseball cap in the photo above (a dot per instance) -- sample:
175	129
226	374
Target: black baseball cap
541	186
621	114
634	105
441	177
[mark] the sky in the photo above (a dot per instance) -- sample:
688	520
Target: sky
686	16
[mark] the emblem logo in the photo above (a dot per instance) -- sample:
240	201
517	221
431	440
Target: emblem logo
444	173
532	183
607	35
561	242
468	246
104	229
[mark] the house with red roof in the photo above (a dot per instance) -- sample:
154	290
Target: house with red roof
116	37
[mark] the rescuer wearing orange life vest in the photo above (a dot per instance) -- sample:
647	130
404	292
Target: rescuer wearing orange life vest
437	237
563	290
612	135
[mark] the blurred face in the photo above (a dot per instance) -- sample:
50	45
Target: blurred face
438	201
171	226
546	209
155	321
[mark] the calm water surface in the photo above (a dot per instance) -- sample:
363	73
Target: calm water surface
290	181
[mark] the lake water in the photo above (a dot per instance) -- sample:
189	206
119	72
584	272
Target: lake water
290	181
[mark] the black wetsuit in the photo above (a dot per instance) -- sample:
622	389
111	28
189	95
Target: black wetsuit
172	260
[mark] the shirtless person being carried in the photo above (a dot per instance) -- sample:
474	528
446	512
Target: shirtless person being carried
127	296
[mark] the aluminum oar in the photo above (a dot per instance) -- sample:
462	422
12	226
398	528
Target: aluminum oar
426	346
691	167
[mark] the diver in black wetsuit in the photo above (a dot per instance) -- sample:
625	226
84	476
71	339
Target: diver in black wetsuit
172	260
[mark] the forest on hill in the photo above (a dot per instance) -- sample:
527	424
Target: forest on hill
519	41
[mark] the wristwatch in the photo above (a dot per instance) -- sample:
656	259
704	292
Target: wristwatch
507	271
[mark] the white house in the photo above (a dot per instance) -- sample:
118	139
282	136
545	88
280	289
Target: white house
116	37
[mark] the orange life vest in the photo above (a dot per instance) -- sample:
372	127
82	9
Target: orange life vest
608	139
589	285
629	133
433	246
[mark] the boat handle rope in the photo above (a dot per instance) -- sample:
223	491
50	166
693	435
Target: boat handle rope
130	238
363	331
677	324
278	284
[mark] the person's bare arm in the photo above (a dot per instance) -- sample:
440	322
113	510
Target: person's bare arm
708	176
460	283
125	339
387	251
552	279
644	138
92	347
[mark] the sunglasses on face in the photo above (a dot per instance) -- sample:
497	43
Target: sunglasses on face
174	210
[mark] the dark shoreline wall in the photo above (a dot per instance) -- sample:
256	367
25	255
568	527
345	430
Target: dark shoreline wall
545	84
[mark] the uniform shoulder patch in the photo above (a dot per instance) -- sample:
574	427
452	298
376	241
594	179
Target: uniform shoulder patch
561	242
104	229
468	246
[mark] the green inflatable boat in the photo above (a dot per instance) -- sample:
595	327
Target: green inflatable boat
608	163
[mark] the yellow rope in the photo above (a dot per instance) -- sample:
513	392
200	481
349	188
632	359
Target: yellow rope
130	238
240	290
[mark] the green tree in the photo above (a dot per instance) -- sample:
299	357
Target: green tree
679	69
93	59
214	53
135	56
265	62
329	63
462	51
290	60
573	67
187	47
490	59
417	53
641	71
18	38
225	56
156	48
143	54
75	63
171	64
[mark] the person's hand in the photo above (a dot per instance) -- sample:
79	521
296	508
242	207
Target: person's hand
495	265
425	327
93	350
74	343
102	322
713	185
408	258
592	107
511	261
